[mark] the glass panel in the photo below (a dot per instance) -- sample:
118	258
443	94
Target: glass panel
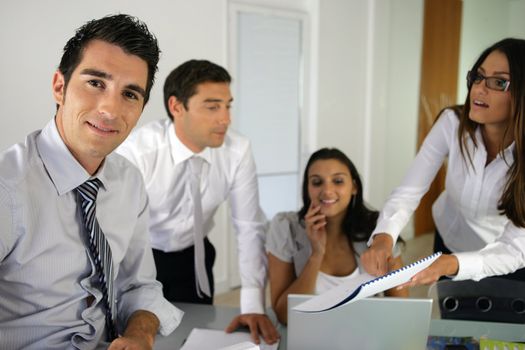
266	107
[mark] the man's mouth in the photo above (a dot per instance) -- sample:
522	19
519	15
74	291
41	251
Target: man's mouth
100	128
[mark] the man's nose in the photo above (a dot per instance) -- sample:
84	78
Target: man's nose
225	117
110	105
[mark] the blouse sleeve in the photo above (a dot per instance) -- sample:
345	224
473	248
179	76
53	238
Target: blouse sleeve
405	198
505	255
279	241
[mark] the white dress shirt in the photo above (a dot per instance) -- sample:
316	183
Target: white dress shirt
485	242
46	272
228	173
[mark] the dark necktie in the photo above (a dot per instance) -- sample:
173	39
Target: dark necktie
99	250
201	277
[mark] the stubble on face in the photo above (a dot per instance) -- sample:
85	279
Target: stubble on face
205	121
104	100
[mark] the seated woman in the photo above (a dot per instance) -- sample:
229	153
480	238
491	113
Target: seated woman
318	248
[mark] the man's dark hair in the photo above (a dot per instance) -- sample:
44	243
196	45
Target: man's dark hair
124	31
182	82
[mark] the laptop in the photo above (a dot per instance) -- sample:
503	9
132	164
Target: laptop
366	324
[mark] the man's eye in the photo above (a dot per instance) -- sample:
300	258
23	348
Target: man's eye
95	83
131	95
213	108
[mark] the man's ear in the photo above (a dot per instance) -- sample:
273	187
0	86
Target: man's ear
176	107
59	87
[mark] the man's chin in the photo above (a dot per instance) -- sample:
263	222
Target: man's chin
216	143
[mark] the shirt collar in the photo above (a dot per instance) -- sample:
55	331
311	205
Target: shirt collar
508	153
65	171
179	151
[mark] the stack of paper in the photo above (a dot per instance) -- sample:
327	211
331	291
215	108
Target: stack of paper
212	339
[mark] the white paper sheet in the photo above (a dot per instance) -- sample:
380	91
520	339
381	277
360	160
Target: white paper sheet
364	286
213	339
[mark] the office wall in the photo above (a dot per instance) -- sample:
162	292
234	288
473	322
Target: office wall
368	85
32	35
485	22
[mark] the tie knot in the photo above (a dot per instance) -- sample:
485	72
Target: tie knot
89	189
196	165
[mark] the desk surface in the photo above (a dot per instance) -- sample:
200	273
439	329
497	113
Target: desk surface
196	316
218	317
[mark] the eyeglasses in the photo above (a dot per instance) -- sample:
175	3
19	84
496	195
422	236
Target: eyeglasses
493	83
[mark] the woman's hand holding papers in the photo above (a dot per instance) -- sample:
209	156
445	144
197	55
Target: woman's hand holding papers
376	258
445	265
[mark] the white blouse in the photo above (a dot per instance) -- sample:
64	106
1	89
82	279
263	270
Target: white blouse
485	242
326	282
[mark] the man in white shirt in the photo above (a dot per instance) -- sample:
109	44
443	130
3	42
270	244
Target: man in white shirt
76	268
197	98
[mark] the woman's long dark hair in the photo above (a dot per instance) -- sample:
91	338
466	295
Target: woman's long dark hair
359	221
512	201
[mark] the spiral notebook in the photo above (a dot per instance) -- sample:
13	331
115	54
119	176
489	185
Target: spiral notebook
364	286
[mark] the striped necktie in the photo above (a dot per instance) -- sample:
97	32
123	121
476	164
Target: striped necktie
99	250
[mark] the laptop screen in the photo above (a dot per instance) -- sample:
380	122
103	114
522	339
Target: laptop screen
367	324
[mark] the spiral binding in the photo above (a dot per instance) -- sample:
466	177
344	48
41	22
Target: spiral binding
436	254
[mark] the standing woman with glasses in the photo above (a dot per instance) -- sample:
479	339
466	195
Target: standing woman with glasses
480	216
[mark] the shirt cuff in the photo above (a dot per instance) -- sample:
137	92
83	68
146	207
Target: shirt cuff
378	231
169	319
252	301
150	300
470	266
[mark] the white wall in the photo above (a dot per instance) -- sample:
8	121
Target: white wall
33	33
368	86
485	22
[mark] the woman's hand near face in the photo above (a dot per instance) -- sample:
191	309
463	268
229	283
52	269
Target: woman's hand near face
315	222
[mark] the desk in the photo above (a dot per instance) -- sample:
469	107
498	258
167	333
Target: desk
218	317
196	316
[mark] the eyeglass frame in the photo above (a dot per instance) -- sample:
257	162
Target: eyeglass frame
471	82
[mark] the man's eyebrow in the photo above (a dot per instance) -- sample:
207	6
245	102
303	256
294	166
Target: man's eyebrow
211	100
104	75
96	73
